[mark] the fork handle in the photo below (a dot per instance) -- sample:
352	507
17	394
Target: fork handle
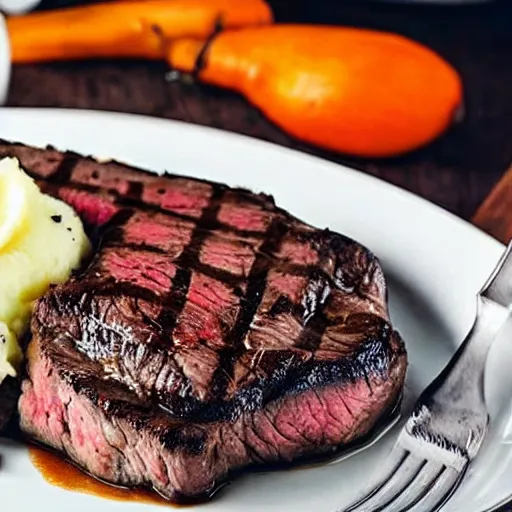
453	385
460	385
498	287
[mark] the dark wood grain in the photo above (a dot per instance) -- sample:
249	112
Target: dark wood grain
456	172
495	214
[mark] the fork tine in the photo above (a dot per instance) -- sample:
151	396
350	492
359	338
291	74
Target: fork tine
393	486
417	489
441	490
384	473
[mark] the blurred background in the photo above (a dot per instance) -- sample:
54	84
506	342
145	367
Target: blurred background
456	170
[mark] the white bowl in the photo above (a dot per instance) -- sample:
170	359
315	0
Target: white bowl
5	60
17	6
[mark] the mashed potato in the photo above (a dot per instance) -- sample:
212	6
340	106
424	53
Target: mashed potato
41	241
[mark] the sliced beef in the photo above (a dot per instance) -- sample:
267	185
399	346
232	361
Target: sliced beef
212	331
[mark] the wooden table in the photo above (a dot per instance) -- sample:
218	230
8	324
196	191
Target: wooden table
456	172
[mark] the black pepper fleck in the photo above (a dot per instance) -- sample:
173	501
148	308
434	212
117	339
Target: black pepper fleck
56	218
69	229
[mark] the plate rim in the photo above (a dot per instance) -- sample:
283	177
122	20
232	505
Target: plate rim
238	138
464	227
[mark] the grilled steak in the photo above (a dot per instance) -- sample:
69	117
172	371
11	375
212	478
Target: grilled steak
212	331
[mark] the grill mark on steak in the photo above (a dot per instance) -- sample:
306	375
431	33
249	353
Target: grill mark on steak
117	222
312	334
63	173
135	189
293	269
224	276
111	287
130	201
168	317
314	320
256	283
188	260
206	223
257	280
64	170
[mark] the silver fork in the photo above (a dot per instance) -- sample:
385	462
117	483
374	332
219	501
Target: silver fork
450	420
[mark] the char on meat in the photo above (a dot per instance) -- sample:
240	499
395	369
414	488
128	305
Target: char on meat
212	331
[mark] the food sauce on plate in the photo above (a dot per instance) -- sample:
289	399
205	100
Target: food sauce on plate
61	473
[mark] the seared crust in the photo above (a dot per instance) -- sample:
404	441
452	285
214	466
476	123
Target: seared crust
205	309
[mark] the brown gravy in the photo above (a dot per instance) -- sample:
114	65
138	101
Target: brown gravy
61	473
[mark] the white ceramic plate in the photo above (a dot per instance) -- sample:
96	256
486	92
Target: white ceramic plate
435	263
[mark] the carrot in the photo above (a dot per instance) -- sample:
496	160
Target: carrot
125	28
360	92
